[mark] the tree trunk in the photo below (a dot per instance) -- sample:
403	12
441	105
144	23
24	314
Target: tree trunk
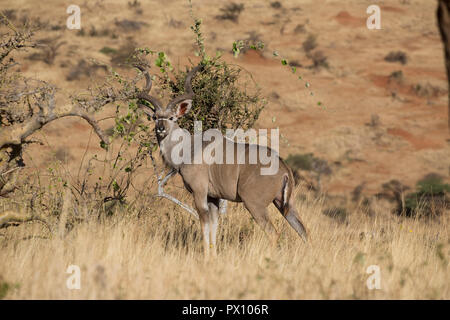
443	17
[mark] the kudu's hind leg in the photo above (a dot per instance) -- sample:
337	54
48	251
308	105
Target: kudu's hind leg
295	222
292	218
261	216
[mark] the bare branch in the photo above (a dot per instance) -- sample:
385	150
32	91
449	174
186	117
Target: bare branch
161	193
9	218
17	133
94	124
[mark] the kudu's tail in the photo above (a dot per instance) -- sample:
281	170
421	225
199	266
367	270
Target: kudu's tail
288	208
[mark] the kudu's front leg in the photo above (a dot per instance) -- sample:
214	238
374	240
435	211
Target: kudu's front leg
213	205
201	204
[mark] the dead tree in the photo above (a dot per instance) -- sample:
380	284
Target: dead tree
443	18
27	105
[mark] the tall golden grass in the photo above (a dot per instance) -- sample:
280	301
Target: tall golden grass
158	255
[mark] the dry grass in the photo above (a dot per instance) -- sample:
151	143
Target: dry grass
159	256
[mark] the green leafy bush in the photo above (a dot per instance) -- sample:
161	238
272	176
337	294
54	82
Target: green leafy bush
220	100
226	96
300	161
430	197
308	162
432	184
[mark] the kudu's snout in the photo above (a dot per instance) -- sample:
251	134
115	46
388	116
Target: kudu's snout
160	129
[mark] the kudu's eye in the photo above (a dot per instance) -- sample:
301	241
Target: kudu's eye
153	117
171	118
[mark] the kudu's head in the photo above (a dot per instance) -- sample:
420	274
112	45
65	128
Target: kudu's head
166	118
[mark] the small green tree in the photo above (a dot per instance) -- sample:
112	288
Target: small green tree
226	96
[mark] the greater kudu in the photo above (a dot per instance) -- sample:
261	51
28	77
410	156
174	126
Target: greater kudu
230	181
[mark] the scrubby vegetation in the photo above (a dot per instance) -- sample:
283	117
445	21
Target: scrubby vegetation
431	197
231	11
396	56
308	162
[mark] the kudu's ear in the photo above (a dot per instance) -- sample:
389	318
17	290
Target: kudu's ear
182	104
183	108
